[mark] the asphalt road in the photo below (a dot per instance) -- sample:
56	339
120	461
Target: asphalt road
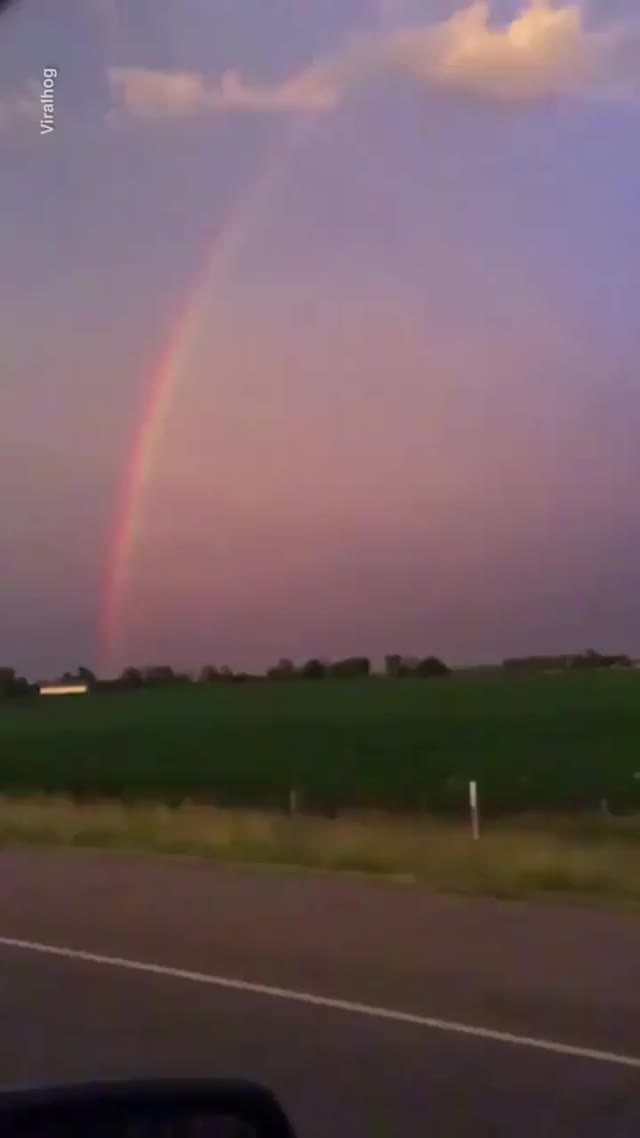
556	975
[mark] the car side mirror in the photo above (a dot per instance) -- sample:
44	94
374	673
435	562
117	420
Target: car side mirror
191	1108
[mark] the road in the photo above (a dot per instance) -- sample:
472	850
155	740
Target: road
246	969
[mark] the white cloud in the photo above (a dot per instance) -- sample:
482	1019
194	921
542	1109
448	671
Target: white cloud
145	93
312	90
543	51
547	50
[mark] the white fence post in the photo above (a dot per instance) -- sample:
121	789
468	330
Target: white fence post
475	814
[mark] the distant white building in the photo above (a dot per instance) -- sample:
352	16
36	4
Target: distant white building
63	689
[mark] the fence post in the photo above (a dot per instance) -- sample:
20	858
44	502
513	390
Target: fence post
293	802
475	815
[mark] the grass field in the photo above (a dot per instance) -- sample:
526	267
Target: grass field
537	743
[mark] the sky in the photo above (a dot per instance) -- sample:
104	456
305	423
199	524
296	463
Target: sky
319	329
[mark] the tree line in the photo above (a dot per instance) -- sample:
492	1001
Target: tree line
133	678
13	685
581	661
284	671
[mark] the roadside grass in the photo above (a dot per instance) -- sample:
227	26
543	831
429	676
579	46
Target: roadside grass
596	858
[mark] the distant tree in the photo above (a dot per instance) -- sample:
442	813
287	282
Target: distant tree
131	678
7	679
86	676
540	663
21	687
398	667
403	666
12	686
580	661
431	666
209	675
313	670
351	666
159	674
226	675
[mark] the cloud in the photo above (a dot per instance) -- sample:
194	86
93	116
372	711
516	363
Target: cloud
312	90
543	51
145	93
547	50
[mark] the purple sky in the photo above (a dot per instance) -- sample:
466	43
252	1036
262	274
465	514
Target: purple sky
410	419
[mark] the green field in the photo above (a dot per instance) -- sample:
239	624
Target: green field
534	743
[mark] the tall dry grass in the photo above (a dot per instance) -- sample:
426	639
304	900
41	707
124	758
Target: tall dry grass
589	857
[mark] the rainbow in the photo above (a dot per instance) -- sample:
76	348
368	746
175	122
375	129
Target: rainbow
160	392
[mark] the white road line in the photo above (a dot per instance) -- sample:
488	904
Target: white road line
328	1002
